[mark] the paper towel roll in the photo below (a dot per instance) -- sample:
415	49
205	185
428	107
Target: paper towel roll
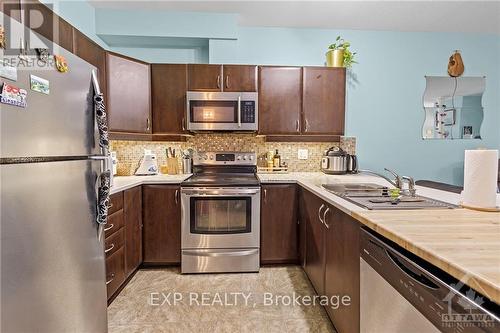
480	178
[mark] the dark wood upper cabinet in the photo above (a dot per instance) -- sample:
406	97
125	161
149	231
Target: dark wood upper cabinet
342	268
129	107
168	97
278	224
315	241
92	53
280	100
202	77
66	36
239	78
162	224
40	18
324	100
132	208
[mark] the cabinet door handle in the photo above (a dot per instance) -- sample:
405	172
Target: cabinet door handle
307	125
319	213
297	127
110	248
176	196
218	81
324	218
112	278
148	125
227	81
183	124
239	111
109	228
265	195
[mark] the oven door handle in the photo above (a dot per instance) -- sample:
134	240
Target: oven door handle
225	192
219	253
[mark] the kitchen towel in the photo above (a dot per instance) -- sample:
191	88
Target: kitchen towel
480	178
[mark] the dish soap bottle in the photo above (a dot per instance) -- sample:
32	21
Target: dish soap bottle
277	159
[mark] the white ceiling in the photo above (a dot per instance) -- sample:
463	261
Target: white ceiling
445	16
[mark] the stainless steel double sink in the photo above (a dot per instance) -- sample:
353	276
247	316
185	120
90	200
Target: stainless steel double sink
377	197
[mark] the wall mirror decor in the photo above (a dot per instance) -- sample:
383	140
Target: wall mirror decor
452	107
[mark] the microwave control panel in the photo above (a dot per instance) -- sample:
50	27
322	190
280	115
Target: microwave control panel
248	111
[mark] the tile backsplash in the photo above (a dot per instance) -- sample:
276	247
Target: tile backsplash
130	152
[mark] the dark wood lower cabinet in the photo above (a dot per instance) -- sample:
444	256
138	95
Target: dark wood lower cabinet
302	227
332	258
114	245
278	241
162	224
115	271
342	269
315	242
132	206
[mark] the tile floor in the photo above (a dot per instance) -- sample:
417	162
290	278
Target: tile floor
232	303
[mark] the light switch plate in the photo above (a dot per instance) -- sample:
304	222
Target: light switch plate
302	154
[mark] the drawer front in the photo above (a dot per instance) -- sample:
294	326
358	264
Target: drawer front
115	222
115	271
116	202
114	242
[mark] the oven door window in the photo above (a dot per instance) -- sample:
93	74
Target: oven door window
213	111
221	215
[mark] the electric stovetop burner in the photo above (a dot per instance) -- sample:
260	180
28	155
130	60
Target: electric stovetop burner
223	169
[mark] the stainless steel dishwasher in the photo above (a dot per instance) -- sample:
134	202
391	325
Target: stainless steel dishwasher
402	293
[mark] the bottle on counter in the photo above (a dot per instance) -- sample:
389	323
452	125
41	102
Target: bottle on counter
277	159
270	160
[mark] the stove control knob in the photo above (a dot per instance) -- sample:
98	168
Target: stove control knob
205	157
211	157
251	157
244	157
238	158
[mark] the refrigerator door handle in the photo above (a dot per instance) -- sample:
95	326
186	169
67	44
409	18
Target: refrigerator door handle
103	200
100	113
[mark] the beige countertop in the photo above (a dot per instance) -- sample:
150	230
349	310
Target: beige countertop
464	243
121	183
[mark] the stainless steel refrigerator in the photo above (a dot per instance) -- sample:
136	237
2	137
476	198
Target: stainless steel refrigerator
54	192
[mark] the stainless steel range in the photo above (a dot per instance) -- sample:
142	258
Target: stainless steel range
221	214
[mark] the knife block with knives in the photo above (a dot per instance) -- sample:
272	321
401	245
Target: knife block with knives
172	166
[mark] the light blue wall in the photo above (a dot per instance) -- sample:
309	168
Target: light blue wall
384	104
162	23
164	55
79	13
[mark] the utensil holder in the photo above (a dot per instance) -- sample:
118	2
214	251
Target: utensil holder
187	165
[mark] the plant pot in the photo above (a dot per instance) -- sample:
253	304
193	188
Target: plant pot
335	58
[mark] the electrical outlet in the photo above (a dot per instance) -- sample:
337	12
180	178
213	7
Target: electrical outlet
302	154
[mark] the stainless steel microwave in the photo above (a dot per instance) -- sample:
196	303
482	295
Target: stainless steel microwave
222	111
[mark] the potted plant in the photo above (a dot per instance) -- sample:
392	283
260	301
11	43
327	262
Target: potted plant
339	54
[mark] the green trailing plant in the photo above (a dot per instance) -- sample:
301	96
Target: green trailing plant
341	44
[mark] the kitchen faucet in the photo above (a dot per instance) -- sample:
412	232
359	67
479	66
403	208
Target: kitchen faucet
397	182
411	185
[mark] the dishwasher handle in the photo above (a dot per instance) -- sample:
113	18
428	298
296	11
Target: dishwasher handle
417	277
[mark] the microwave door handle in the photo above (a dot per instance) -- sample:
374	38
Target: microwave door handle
239	111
